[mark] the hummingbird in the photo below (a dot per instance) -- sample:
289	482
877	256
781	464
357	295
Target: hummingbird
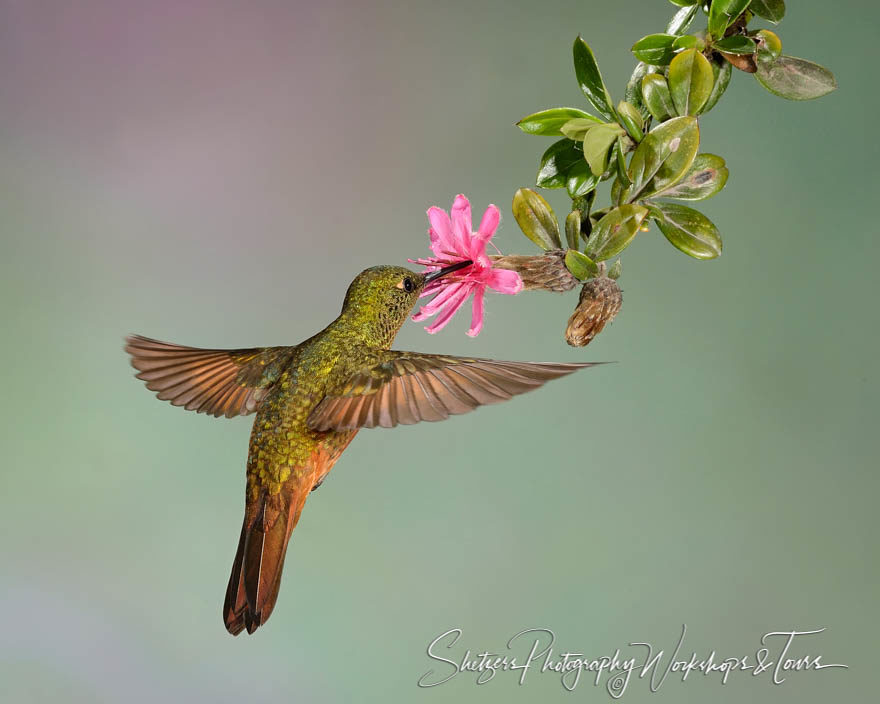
310	401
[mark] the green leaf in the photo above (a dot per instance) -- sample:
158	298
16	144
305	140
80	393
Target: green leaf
597	215
615	231
685	3
795	79
617	190
579	180
773	10
688	41
654	49
576	128
556	162
689	230
664	157
722	13
536	219
681	21
590	80
573	229
548	123
584	205
633	93
620	157
631	119
721	72
704	179
769	45
653	211
597	143
736	45
580	265
655	93
615	270
690	81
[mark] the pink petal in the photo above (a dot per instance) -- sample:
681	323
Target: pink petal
504	281
441	231
431	263
490	221
488	226
453	304
462	223
437	302
477	315
477	248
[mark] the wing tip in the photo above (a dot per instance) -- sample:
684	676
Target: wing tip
201	380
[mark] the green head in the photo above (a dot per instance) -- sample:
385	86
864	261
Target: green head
381	298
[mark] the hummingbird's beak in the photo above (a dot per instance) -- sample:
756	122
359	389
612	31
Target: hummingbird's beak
447	270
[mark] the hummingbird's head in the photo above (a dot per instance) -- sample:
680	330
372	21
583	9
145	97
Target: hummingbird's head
380	299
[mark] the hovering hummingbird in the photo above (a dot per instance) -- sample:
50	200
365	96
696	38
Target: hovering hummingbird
310	401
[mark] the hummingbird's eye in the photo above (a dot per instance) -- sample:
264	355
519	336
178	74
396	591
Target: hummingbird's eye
408	285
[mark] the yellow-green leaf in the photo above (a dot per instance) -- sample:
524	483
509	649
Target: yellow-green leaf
580	265
631	119
573	229
615	231
704	179
536	219
655	93
769	45
597	143
689	231
690	81
576	128
548	123
721	73
663	157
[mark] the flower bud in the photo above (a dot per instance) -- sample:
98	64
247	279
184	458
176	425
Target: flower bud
542	272
599	302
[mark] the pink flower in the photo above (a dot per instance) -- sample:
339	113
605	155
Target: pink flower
452	241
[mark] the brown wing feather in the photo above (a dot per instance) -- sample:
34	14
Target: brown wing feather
220	382
407	387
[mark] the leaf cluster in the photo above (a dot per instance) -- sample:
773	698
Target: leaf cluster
648	145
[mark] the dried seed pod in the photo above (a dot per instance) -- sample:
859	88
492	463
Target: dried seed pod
542	272
599	302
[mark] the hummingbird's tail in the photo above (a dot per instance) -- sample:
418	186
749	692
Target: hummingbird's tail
256	572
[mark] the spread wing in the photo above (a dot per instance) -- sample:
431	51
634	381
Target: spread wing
219	382
407	387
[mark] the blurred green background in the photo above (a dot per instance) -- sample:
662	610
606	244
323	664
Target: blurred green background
215	173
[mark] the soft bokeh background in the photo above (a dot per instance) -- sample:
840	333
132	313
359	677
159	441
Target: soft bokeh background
214	173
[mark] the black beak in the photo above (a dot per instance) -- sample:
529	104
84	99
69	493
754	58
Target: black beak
447	270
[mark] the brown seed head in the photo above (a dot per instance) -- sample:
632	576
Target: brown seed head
599	302
545	271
